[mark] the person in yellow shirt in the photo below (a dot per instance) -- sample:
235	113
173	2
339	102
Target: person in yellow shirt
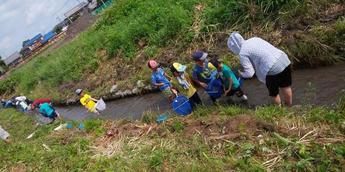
183	83
87	101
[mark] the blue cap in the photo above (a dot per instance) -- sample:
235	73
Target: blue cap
199	55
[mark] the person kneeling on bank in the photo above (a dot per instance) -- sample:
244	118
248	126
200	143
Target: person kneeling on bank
47	110
230	82
183	84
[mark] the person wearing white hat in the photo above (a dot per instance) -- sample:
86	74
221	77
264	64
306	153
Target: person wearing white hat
270	64
87	101
183	83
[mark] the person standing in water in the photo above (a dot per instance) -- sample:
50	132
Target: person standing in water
270	64
87	101
161	79
183	83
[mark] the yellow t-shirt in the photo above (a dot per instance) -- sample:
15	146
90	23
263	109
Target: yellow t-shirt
88	102
186	92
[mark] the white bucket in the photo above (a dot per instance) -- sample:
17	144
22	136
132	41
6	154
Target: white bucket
100	105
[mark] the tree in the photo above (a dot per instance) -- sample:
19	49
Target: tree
3	66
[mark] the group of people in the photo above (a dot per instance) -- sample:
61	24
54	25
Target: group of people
257	56
42	105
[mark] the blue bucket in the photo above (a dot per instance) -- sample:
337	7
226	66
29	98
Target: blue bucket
181	105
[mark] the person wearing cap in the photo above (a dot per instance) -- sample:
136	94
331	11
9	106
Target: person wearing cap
183	83
47	110
160	79
270	64
205	75
87	101
230	83
202	71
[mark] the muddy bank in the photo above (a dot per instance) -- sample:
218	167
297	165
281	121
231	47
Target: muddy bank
320	86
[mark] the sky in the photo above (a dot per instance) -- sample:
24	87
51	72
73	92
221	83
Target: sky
23	19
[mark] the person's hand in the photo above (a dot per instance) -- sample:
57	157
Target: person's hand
174	91
226	92
203	85
240	72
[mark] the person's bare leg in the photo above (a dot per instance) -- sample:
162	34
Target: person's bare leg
287	93
276	100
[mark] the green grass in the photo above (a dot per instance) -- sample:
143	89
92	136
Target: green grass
167	148
130	32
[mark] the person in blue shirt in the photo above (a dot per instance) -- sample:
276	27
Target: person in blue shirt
230	82
202	71
205	75
48	111
161	80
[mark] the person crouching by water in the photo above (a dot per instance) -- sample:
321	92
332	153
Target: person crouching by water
271	65
47	110
205	75
87	101
230	82
183	83
160	79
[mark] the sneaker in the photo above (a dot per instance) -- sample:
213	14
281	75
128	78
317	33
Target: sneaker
244	98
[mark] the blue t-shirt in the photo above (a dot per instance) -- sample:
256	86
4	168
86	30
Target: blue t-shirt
47	110
158	77
203	74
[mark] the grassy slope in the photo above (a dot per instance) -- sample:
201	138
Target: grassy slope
116	48
212	139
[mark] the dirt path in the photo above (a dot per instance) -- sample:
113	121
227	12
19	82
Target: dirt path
319	86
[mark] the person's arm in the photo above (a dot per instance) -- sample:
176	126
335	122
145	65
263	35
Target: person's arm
58	115
93	99
154	82
196	80
230	86
166	75
248	69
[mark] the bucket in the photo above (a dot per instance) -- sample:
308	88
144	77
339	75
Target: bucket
100	105
181	105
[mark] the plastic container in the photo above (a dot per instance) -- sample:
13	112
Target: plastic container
161	118
181	105
81	126
69	125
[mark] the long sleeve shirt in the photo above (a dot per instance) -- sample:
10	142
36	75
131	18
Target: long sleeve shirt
258	56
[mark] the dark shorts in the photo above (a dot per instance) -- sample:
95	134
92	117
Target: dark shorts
281	80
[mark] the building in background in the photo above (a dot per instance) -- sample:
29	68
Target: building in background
75	12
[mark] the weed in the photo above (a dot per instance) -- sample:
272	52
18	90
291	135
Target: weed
177	126
149	117
157	159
